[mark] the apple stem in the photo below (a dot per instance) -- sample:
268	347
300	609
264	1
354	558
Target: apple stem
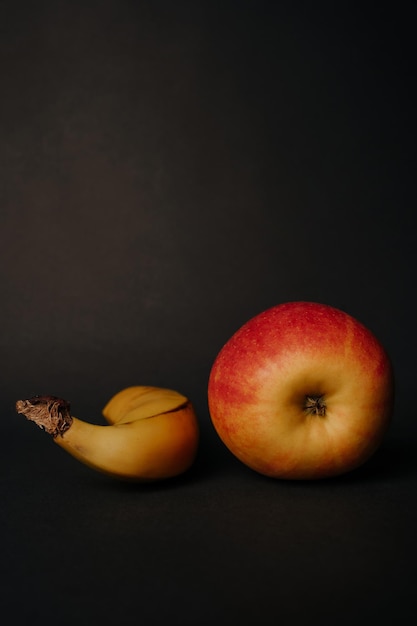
315	405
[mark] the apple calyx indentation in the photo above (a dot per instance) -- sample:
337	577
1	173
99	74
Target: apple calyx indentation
314	405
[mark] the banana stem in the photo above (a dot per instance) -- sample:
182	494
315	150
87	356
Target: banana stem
50	413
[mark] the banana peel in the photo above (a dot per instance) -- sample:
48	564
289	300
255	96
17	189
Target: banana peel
152	433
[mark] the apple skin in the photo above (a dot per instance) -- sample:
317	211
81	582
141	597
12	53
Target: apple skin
302	391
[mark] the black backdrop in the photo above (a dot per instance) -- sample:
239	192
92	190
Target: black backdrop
168	170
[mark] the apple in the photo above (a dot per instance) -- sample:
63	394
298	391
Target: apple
302	391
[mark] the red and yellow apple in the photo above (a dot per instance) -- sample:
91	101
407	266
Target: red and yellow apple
302	391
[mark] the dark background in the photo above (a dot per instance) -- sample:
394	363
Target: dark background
168	170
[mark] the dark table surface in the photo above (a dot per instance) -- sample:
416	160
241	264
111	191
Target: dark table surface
168	170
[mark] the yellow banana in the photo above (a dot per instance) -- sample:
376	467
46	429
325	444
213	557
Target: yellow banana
148	401
152	433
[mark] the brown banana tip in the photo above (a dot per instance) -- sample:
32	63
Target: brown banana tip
50	413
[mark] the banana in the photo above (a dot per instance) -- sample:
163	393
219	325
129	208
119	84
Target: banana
148	401
152	433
